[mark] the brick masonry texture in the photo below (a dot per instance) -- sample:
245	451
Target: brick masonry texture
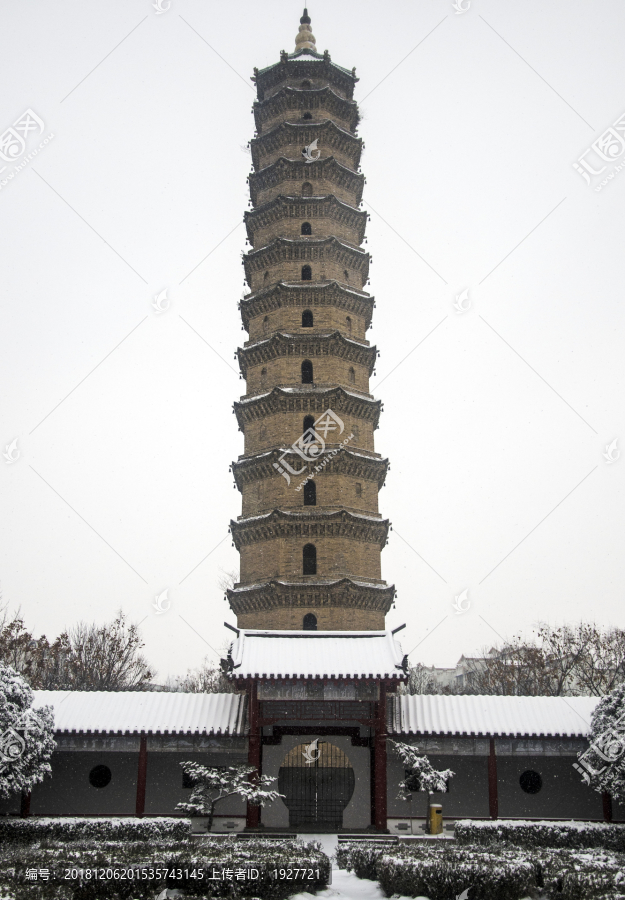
307	272
325	319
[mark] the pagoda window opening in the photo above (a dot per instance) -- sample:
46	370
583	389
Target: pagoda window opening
309	559
266	276
307	189
306	273
265	324
310	622
307	115
310	494
352	376
309	424
346	274
348	322
307	372
306	228
306	85
263	375
358	489
307	319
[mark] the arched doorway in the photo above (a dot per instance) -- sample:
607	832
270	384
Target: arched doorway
318	781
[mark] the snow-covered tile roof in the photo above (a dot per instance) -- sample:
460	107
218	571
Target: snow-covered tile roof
316	654
154	712
531	716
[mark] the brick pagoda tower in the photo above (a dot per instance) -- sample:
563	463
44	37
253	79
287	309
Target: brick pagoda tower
310	553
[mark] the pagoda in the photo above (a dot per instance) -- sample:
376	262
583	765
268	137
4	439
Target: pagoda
310	535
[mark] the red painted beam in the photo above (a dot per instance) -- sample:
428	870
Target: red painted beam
142	775
493	797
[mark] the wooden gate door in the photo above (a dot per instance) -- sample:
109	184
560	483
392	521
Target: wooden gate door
317	780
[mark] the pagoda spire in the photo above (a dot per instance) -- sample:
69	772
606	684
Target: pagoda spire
305	39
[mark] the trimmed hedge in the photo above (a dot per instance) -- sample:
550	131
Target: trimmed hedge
580	875
79	829
542	834
360	859
206	853
443	870
442	873
445	875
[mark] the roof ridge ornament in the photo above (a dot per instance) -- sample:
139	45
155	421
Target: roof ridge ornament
305	39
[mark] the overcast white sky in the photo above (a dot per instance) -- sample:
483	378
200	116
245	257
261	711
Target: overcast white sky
495	422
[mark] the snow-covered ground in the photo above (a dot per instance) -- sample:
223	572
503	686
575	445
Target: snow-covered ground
345	885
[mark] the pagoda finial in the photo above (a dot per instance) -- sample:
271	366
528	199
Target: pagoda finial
305	39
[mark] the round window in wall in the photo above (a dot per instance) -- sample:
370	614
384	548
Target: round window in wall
99	776
530	782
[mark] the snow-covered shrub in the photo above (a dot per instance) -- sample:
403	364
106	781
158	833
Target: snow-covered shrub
448	873
442	870
581	874
211	784
362	859
542	834
420	773
220	854
602	765
79	829
26	736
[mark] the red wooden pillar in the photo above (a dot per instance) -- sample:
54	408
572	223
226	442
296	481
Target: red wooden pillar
493	797
254	752
372	779
142	775
25	805
607	806
379	767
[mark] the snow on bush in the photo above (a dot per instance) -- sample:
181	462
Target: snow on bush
421	774
226	853
542	834
212	784
412	869
502	876
26	736
76	829
443	872
603	764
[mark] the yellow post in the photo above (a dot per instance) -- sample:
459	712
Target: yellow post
436	818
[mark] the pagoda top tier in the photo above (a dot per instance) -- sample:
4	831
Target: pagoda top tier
305	62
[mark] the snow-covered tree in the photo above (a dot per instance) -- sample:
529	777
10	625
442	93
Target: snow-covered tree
421	680
420	773
208	678
26	736
602	765
212	784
